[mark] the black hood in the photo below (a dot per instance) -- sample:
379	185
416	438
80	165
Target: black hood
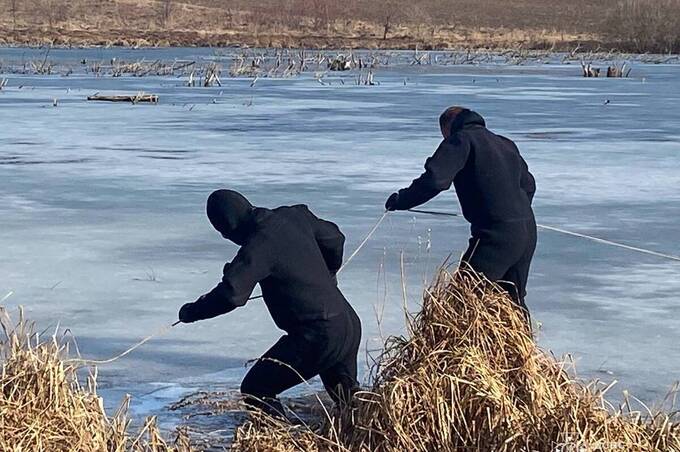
231	214
467	118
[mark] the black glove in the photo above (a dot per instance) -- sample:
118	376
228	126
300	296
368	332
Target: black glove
392	202
187	313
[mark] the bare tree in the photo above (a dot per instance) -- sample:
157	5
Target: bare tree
419	16
48	12
14	10
388	14
322	12
166	12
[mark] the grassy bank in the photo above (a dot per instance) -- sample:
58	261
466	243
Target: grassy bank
628	25
45	408
468	375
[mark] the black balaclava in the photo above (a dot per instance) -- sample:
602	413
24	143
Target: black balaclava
231	214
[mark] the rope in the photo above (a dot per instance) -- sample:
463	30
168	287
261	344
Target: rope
610	243
356	251
165	329
363	243
158	333
573	234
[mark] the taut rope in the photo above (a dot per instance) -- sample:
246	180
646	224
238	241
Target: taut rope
573	234
166	329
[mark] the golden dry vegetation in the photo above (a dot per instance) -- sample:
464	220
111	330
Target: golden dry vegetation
627	25
469	377
45	408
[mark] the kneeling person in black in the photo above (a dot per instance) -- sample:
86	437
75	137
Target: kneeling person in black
294	256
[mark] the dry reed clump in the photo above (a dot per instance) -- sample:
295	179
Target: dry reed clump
470	376
43	407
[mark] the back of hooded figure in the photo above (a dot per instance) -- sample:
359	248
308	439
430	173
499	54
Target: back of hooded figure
492	180
293	256
495	189
494	186
300	287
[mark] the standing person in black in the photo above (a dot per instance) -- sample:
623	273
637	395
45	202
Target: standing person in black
495	190
294	256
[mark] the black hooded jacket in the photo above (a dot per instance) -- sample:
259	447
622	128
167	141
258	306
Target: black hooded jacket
492	180
290	252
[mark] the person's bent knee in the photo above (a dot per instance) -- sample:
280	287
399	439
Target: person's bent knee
252	388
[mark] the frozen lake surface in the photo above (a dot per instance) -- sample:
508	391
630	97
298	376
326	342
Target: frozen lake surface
103	224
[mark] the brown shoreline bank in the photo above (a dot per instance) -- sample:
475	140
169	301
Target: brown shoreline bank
631	26
480	39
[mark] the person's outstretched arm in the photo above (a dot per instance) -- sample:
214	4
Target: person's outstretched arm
440	170
331	242
250	266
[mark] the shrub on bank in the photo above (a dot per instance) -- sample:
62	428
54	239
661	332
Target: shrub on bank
646	26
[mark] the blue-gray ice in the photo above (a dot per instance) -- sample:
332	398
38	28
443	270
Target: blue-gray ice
103	224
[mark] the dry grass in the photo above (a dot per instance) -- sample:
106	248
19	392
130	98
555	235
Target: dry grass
470	377
428	24
467	377
629	25
43	407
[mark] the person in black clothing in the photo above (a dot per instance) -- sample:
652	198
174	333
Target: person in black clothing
294	256
495	190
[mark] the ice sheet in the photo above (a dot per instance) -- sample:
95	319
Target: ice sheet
103	225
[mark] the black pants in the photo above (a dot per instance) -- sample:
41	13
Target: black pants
326	348
503	253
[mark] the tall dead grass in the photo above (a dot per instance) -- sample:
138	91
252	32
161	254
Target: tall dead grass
44	407
469	377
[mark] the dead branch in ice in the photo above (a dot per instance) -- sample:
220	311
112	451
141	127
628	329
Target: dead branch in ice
134	98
